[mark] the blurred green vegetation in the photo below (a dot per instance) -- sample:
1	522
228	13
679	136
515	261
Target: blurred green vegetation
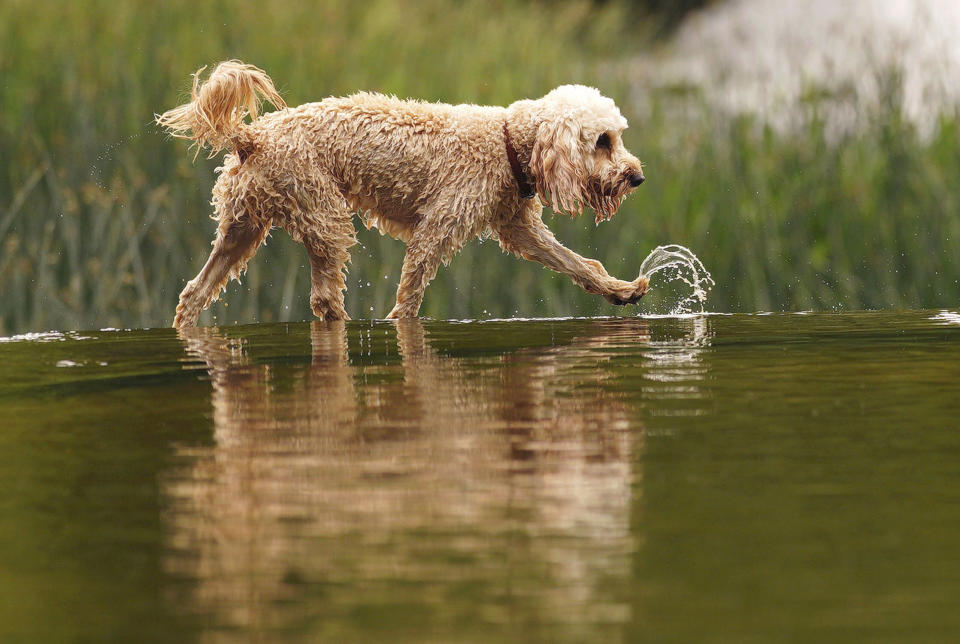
103	219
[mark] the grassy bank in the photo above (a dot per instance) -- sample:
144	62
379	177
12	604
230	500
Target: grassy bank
102	219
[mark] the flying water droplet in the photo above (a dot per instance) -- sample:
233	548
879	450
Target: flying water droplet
677	262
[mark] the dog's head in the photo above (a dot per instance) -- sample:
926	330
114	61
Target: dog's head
578	156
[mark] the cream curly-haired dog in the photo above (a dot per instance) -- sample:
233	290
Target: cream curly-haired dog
432	175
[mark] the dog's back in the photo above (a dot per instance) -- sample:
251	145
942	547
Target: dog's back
389	156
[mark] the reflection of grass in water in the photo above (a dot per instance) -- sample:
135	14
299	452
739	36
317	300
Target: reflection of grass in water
102	220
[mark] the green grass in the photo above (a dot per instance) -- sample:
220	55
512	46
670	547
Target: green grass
103	219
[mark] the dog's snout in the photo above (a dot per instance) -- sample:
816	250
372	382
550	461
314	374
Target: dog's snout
636	179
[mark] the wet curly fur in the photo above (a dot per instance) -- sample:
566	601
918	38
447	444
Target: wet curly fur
430	174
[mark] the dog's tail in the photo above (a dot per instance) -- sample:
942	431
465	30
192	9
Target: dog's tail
214	118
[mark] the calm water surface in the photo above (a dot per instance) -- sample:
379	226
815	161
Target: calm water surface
713	478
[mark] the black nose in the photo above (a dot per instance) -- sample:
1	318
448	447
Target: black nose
636	180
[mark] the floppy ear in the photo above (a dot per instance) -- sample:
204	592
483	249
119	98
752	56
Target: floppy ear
557	165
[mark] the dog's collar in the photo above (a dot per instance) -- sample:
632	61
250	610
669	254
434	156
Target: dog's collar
523	181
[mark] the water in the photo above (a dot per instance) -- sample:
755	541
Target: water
697	478
679	263
748	57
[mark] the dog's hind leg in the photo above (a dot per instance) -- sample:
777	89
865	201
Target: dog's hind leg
237	241
328	261
323	222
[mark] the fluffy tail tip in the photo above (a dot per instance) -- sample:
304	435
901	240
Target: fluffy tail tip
215	115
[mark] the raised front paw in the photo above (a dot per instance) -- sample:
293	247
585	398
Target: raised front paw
629	292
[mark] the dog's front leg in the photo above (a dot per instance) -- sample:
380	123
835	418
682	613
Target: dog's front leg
420	265
527	236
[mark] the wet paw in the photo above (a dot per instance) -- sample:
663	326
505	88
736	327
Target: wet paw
630	293
186	316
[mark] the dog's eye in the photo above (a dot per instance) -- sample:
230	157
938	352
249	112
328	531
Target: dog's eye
603	141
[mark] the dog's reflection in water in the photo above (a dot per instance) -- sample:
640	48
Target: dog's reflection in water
492	487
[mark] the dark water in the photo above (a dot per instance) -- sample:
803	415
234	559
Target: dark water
719	478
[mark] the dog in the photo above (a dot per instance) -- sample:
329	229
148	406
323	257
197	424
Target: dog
430	174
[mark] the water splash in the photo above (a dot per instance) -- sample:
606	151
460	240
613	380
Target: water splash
679	263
